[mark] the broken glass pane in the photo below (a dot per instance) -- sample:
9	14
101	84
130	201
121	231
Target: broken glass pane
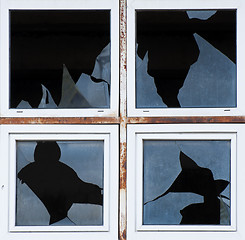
60	59
186	59
186	182
59	183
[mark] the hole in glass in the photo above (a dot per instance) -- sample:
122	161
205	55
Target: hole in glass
186	59
60	59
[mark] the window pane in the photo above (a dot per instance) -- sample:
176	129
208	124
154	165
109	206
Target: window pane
186	58
60	183
60	59
186	182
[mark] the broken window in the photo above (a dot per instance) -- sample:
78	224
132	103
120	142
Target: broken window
62	179
186	59
186	182
202	80
59	183
60	59
181	178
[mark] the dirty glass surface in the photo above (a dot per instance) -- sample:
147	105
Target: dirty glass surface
186	58
186	182
59	183
60	59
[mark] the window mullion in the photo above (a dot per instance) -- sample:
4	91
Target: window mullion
123	120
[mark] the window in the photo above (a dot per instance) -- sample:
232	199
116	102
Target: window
182	62
55	65
170	182
130	99
61	179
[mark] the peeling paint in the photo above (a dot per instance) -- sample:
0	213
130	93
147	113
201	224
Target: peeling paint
179	120
123	215
123	235
123	122
63	120
120	120
123	164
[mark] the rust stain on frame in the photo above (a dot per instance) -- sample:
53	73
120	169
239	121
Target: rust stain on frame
123	165
121	119
179	120
123	35
63	120
123	122
123	192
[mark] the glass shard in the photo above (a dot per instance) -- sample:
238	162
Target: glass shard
70	96
191	58
55	37
181	188
47	100
60	183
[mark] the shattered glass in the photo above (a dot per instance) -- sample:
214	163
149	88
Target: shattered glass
184	180
41	198
61	59
186	59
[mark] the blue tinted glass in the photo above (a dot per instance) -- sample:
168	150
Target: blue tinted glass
186	59
59	183
186	180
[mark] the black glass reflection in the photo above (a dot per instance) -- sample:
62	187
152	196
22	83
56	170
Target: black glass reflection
186	182
59	183
186	58
60	59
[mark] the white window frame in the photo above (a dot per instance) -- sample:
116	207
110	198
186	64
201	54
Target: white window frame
134	5
137	133
11	134
7	5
